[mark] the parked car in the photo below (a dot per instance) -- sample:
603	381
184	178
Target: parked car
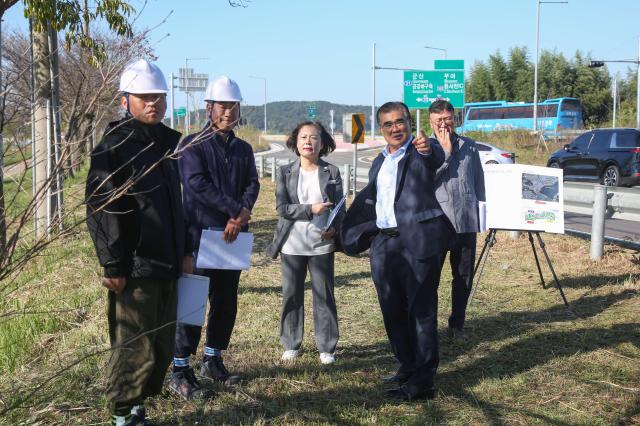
490	154
608	156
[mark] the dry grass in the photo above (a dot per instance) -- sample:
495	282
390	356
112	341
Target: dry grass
529	361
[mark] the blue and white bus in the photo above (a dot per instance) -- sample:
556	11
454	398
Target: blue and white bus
554	116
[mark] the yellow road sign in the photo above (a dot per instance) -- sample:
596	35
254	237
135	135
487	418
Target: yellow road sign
357	128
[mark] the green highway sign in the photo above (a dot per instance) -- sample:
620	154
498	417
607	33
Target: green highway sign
422	88
180	112
311	112
448	64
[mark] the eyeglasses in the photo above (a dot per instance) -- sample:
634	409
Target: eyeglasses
447	120
400	123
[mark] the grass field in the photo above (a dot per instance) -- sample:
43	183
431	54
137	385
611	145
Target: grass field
529	361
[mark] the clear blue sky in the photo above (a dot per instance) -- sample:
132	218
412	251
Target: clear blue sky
321	50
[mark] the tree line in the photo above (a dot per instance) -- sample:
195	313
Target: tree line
512	79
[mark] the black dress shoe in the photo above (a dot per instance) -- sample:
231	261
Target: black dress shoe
400	377
409	392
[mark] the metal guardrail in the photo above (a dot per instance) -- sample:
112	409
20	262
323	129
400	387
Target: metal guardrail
623	203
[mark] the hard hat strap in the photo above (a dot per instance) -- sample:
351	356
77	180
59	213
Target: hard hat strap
127	114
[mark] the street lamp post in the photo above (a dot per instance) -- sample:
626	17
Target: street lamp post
600	63
265	100
535	69
437	48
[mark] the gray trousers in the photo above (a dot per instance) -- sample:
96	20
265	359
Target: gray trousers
325	316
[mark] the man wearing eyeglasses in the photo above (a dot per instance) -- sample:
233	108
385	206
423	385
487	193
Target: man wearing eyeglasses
398	218
459	187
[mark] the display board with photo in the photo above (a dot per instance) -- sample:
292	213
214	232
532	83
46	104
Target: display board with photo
525	198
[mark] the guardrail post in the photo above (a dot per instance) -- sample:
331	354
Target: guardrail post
272	160
261	166
597	221
347	179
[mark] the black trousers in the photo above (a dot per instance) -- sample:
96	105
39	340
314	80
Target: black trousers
408	296
462	257
223	306
141	331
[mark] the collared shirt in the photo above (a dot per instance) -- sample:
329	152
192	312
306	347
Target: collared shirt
386	186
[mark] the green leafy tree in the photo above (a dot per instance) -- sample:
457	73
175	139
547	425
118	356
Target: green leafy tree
520	74
500	78
478	86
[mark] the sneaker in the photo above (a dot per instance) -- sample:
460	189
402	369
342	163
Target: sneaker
139	416
289	355
184	383
327	358
127	420
214	369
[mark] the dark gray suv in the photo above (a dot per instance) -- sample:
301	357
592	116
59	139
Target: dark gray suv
608	156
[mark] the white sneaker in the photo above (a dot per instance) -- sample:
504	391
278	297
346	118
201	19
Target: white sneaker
327	358
289	355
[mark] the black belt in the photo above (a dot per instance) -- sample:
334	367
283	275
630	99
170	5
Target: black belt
390	232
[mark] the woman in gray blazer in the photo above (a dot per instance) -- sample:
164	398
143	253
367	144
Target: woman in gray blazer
306	190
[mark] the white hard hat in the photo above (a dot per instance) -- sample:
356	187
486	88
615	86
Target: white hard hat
223	89
142	77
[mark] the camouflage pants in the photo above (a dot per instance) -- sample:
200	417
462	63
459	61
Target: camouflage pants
142	334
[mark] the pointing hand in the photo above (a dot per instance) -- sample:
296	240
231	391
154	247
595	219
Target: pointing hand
422	143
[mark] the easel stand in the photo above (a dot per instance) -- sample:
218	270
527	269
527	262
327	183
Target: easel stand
484	255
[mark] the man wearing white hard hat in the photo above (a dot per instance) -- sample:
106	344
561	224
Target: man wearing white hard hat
220	185
136	222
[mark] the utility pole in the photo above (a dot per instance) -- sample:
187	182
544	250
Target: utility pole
615	96
42	94
55	166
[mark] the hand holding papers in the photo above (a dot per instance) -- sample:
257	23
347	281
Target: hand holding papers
334	212
215	253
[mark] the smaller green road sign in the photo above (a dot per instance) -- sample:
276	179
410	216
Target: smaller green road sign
180	112
422	88
311	112
448	64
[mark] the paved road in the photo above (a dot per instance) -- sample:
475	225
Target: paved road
577	224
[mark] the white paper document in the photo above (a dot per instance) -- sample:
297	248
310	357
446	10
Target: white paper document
215	253
335	212
193	294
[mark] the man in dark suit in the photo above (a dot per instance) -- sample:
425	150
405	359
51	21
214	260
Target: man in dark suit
398	217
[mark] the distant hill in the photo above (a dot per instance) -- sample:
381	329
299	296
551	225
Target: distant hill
283	116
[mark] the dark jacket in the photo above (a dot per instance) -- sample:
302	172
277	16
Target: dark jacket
289	207
134	203
422	225
218	177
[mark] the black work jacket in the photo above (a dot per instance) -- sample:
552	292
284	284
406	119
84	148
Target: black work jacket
134	202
